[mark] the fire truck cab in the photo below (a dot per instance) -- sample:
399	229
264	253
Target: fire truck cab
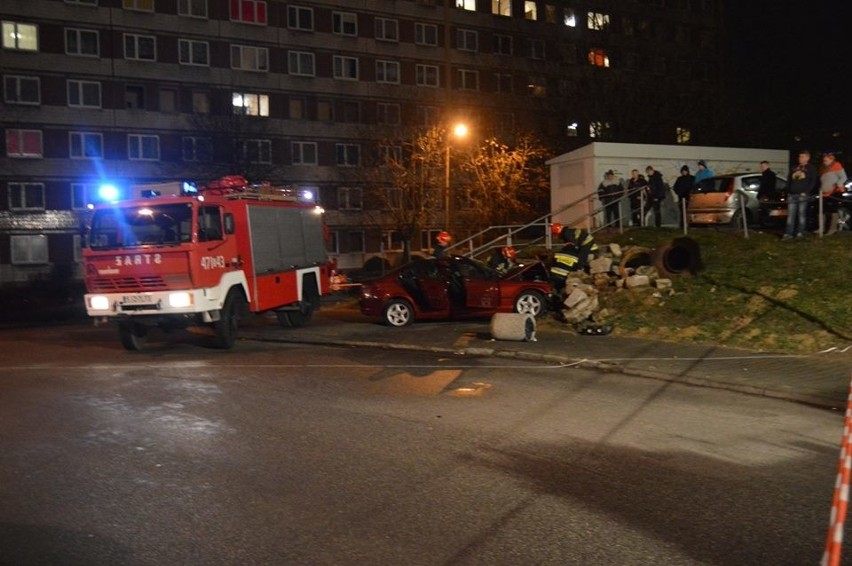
205	259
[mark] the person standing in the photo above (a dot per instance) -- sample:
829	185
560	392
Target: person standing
768	181
832	179
803	181
656	193
442	240
682	188
637	187
609	193
703	172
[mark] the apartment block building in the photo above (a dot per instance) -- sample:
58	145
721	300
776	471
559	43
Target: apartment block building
303	93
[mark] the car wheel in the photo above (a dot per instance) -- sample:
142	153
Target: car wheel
398	313
530	302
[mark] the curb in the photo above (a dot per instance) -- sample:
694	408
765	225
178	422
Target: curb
607	367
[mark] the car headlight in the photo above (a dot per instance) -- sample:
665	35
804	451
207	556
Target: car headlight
99	303
180	300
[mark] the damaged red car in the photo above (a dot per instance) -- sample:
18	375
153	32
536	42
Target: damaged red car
454	287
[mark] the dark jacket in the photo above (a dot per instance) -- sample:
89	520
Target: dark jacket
683	186
803	180
657	186
634	188
609	192
767	184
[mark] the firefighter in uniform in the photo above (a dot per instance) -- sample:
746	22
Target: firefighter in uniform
573	256
502	259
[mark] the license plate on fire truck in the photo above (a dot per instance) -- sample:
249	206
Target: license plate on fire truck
137	299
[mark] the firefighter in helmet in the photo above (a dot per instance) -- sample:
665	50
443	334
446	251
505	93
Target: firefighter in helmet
579	244
502	259
442	240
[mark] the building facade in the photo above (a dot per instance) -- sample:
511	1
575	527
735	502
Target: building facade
303	93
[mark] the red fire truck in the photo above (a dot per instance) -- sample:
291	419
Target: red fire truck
207	259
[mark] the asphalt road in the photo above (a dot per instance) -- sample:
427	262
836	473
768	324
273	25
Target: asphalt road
281	454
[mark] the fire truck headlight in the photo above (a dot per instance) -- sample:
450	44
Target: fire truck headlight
180	300
99	303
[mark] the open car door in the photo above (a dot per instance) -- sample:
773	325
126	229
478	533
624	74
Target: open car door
481	284
426	285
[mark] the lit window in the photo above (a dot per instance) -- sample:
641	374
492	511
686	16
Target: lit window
140	5
468	80
82	42
23	143
598	58
248	11
192	52
140	47
200	102
387	72
466	5
501	7
297	108
304	153
195	149
388	114
425	34
568	18
345	68
597	21
301	63
22	90
348	154
84	94
193	8
387	30
85	145
300	18
29	249
530	11
17	35
344	23
143	147
572	129
683	135
426	75
349	198
598	129
257	151
248	58
537	86
250	104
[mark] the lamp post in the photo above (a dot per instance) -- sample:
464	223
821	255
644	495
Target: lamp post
459	131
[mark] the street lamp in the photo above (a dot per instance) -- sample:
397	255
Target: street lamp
459	131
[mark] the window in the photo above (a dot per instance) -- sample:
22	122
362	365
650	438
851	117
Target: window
134	97
197	149
257	151
468	79
355	238
82	42
301	63
85	145
345	68
503	83
391	239
325	111
304	153
387	30
537	86
388	113
17	35
200	102
344	23
140	47
392	153
466	5
140	5
387	72
300	18
530	11
297	108
501	7
535	49
569	18
598	129
250	104
428	116
427	75
82	194
425	34
349	198
597	21
348	154
248	11
23	143
467	40
209	224
168	100
26	196
143	147
249	58
550	14
350	111
598	57
683	135
84	94
572	129
193	8
192	52
29	249
334	242
22	90
83	2
503	44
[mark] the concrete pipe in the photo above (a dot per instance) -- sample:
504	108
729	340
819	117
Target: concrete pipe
681	256
633	258
519	327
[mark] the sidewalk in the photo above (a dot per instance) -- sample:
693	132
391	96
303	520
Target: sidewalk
820	379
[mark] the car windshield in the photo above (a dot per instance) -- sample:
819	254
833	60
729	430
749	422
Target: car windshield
124	227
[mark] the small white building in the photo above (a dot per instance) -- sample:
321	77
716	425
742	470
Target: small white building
575	176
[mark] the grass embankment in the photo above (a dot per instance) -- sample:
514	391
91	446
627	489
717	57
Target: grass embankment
758	293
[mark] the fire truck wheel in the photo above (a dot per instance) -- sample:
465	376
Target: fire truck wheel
133	335
225	329
399	313
295	318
